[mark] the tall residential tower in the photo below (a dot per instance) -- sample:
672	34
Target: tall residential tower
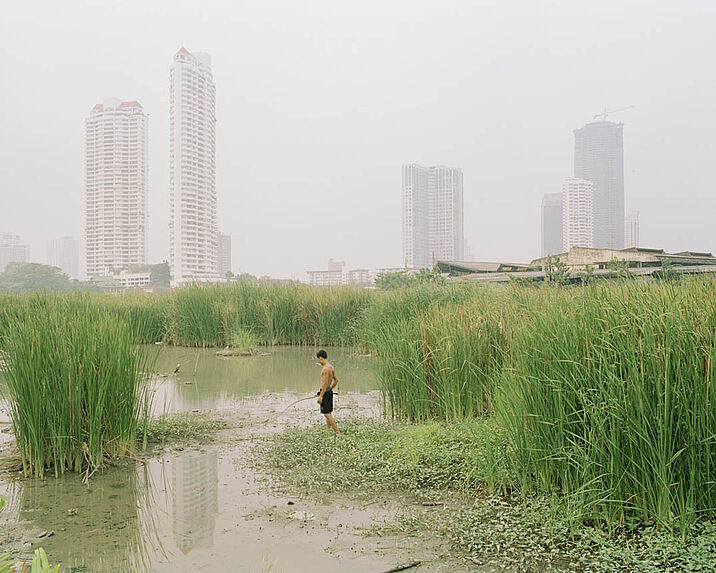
577	213
631	229
433	226
599	158
551	224
64	253
192	169
116	174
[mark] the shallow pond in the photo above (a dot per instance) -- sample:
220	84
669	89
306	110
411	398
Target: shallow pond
182	510
206	381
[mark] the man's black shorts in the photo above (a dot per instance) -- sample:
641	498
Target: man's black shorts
327	402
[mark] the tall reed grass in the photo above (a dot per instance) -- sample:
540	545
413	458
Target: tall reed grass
608	398
76	383
439	349
209	315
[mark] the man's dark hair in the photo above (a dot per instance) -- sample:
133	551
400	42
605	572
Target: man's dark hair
321	354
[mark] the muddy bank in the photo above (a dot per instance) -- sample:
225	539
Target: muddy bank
206	503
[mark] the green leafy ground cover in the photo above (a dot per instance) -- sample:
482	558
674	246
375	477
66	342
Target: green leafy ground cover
469	466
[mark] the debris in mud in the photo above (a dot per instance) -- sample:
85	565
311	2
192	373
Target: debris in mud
303	516
45	534
289	503
72	511
432	503
403	567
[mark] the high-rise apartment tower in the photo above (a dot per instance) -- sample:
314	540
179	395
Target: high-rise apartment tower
224	254
116	175
192	169
551	224
577	213
64	253
631	229
599	158
12	250
433	226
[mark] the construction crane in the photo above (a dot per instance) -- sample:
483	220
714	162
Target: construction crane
607	112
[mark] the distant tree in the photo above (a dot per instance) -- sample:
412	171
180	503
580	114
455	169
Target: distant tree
229	275
159	274
620	268
588	275
102	283
556	272
245	278
26	277
667	272
524	281
402	279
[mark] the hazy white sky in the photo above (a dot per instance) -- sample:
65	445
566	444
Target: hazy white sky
319	103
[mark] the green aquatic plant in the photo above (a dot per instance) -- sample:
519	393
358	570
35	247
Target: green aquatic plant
76	383
607	400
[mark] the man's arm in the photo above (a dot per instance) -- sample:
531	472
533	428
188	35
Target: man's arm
334	382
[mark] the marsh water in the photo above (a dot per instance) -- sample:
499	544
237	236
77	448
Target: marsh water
186	509
208	382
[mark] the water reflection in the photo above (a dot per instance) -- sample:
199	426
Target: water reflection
194	500
126	519
148	516
96	527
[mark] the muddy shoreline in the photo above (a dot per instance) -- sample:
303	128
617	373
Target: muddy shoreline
208	503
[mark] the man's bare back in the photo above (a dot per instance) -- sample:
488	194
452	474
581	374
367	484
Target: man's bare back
329	380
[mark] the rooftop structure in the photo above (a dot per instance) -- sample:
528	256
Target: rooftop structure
640	262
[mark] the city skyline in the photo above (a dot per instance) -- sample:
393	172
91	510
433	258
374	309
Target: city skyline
319	129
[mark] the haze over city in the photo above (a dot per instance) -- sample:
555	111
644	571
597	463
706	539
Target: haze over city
319	104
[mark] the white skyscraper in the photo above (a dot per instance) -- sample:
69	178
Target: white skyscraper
192	164
631	229
116	172
577	213
65	254
432	215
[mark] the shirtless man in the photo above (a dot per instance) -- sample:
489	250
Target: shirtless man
329	381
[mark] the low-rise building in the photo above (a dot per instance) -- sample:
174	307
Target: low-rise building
578	258
325	278
604	263
358	277
133	280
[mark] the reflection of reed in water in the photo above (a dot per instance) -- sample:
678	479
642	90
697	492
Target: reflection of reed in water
96	526
194	500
